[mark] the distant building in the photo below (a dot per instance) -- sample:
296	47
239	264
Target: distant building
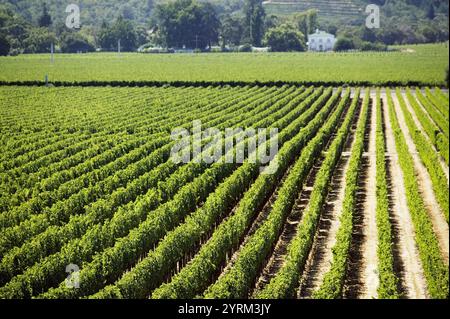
321	41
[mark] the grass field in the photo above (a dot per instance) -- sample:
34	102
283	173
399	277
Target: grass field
421	64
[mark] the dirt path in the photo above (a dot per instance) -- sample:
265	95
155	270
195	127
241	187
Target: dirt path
259	219
406	255
420	127
277	257
370	236
361	278
440	225
321	256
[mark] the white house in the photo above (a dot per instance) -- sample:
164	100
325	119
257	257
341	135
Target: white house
321	41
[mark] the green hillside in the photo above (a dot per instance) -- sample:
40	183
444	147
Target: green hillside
93	12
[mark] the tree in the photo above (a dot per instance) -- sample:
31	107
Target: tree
72	42
369	46
368	35
285	38
127	12
254	21
39	40
301	22
187	23
141	36
306	22
149	8
105	37
270	22
45	20
332	29
430	13
312	18
4	18
390	34
430	34
122	30
231	30
344	44
4	45
209	21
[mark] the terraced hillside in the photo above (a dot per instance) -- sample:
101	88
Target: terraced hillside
355	204
327	8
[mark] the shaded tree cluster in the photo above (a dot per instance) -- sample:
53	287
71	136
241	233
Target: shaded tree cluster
187	23
285	38
121	30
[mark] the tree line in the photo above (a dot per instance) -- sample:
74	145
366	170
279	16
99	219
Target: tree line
235	25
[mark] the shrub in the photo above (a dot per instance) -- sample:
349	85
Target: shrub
4	45
74	42
285	38
344	44
39	40
370	46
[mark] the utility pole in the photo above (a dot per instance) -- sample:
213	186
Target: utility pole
196	42
251	29
251	21
52	51
118	47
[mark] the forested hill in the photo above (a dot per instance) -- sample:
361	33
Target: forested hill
94	12
32	26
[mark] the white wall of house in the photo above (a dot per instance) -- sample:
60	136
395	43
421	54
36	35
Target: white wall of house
321	41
